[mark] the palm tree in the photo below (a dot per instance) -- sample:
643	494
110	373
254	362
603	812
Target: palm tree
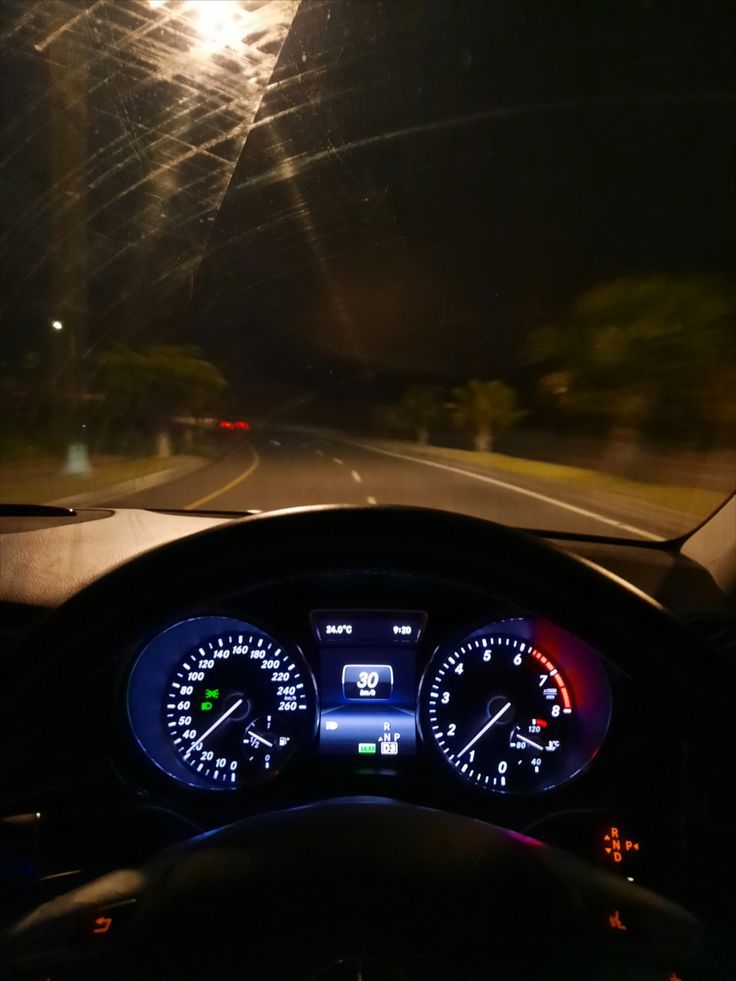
486	408
421	405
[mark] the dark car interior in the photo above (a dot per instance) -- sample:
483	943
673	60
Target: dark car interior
332	858
367	468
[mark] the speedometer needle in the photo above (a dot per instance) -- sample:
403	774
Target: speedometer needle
484	730
225	715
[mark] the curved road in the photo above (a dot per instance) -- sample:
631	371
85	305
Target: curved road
286	468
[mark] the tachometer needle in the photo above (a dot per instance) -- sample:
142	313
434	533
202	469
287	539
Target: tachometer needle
484	730
225	715
529	742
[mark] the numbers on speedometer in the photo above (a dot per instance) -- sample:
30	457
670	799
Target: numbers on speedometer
503	715
234	708
230	704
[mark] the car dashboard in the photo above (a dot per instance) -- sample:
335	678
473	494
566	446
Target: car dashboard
186	690
295	691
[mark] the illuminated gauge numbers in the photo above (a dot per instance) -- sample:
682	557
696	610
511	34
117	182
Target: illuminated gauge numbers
236	708
219	705
501	714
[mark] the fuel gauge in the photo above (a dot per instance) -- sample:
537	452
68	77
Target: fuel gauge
268	743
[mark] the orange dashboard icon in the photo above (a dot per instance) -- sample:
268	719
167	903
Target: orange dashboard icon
102	924
615	922
616	847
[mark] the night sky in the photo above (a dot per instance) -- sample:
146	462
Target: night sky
425	183
429	181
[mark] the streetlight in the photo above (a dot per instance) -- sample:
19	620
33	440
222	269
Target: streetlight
219	25
77	456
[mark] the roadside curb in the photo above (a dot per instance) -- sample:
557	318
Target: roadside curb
130	486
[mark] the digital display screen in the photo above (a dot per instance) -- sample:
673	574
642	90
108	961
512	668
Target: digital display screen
374	681
368	684
351	629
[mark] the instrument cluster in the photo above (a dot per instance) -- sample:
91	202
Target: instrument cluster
514	706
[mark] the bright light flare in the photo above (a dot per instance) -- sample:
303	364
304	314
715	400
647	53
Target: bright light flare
220	24
57	325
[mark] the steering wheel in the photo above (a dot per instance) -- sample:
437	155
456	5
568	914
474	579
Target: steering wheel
359	887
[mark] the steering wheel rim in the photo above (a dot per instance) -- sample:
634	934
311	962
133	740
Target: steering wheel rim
612	617
505	563
411	891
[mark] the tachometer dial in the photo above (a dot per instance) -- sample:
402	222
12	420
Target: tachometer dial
504	714
234	707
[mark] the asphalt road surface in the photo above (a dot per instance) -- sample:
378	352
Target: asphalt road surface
280	469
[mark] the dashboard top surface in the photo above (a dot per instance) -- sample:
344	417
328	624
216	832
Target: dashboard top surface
85	551
423	658
455	583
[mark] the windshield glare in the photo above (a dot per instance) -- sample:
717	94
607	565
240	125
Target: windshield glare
264	253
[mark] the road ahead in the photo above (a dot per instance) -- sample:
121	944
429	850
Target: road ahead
282	469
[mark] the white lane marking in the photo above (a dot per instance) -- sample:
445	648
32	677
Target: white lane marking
513	487
356	476
371	500
320	452
274	442
337	461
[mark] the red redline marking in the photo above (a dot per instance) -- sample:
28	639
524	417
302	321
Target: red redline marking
558	680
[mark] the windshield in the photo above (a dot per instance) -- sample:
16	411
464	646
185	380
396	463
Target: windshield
472	256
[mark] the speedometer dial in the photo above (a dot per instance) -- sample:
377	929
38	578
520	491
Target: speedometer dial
505	715
234	707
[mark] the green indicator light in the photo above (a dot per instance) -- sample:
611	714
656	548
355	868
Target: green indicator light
206	706
366	749
212	693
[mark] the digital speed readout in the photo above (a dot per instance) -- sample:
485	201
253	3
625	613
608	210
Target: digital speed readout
368	684
518	706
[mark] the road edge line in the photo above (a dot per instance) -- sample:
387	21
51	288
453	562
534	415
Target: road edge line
226	487
584	512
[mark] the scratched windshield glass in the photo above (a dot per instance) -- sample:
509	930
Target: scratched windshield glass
264	253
